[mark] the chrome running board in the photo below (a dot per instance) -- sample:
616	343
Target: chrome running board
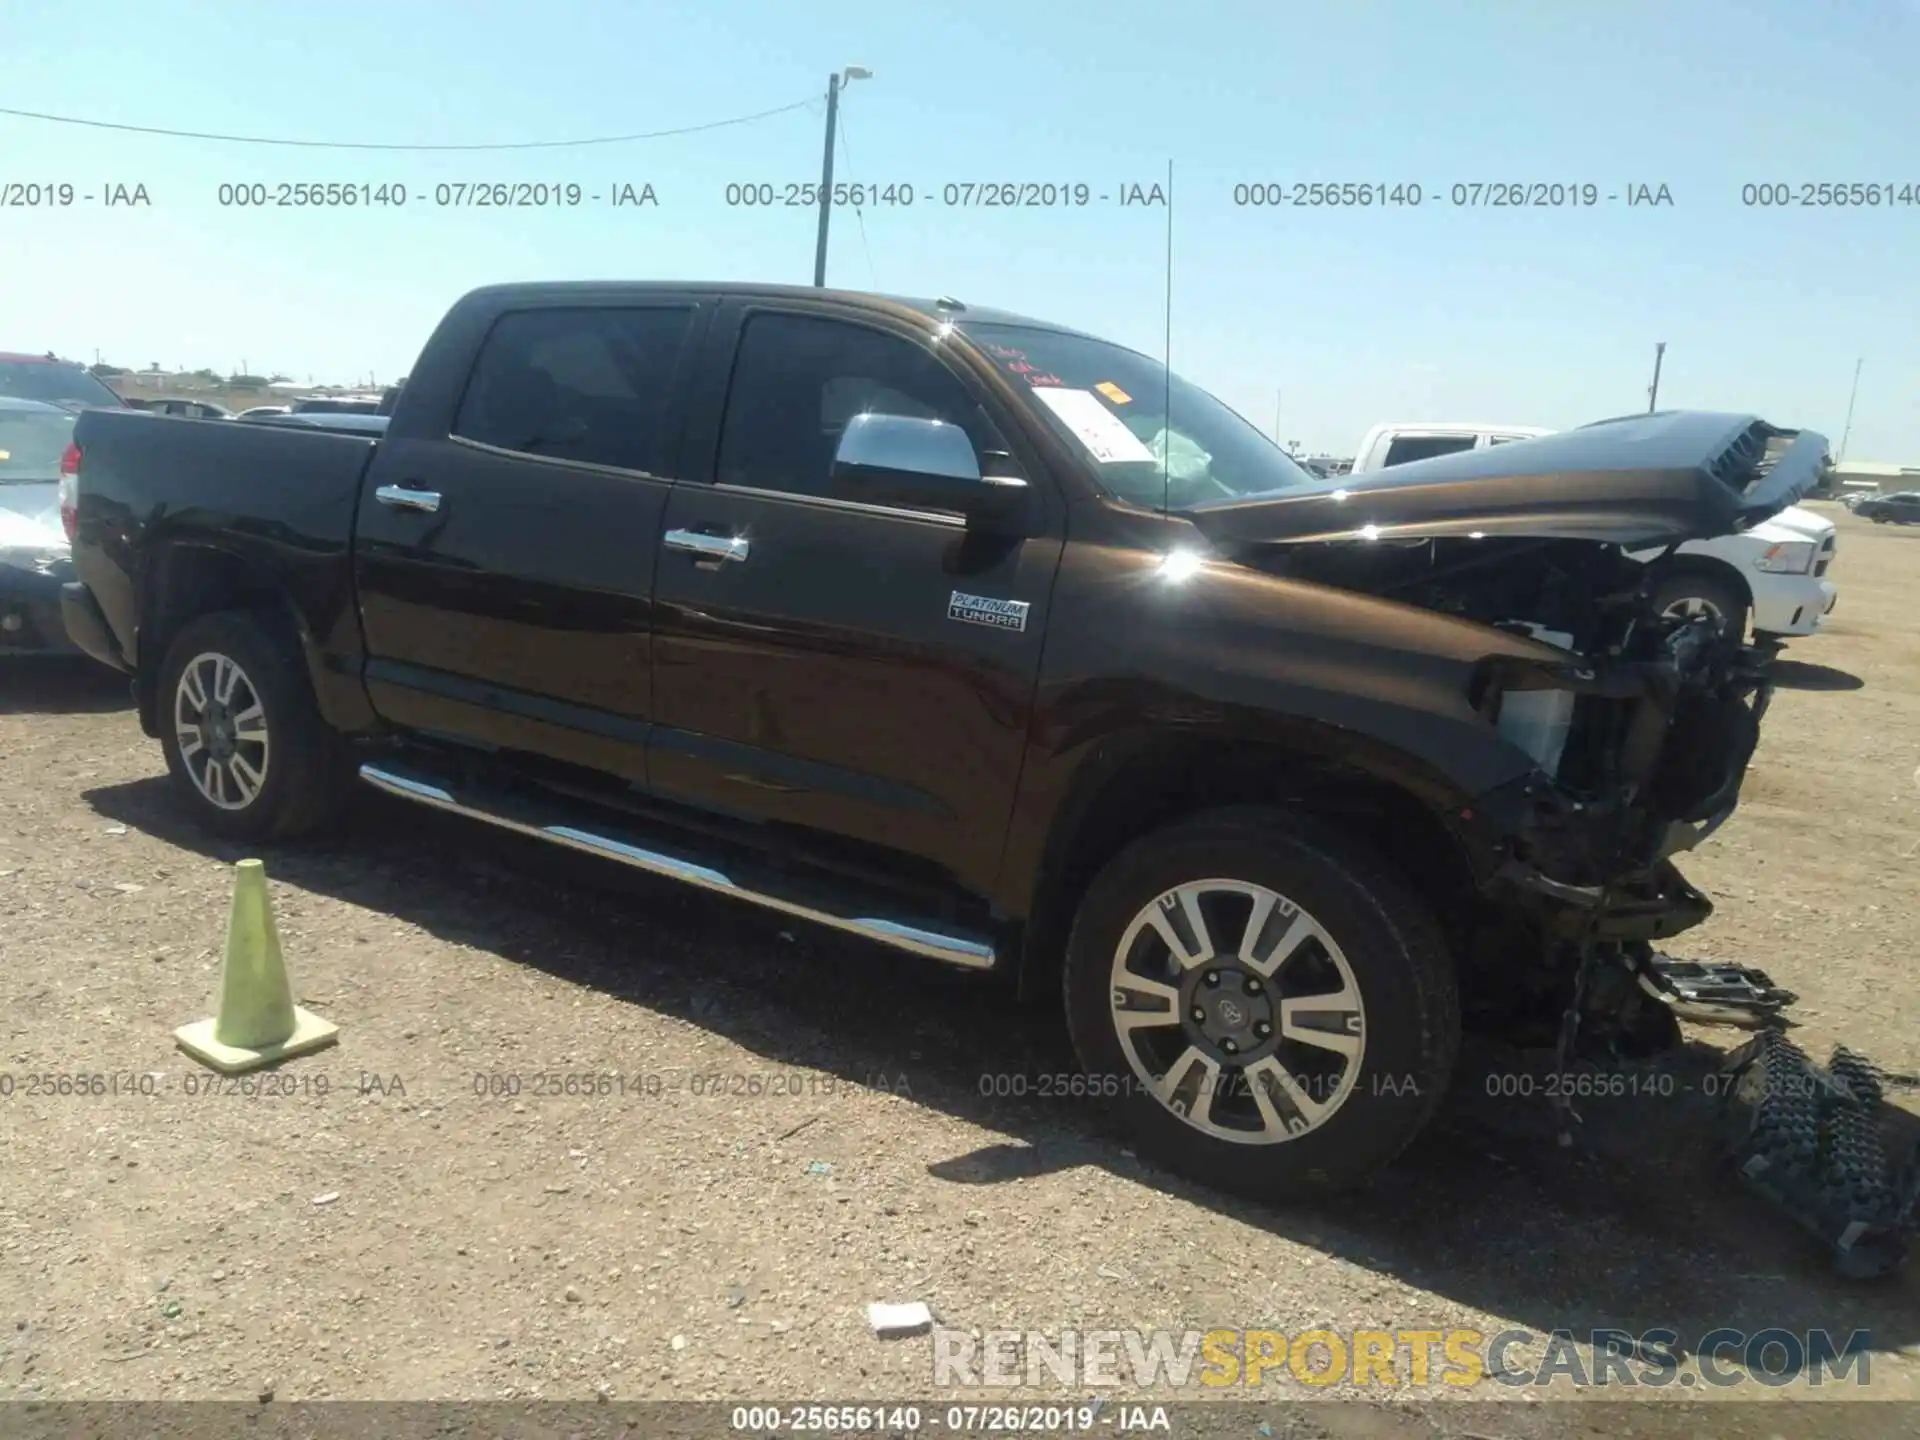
788	894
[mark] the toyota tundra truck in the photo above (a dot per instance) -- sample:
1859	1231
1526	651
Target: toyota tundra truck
991	642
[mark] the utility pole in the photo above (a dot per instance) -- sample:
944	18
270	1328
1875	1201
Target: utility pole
1653	390
1276	416
835	82
1851	397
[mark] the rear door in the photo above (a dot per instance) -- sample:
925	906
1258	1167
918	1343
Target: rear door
833	671
506	566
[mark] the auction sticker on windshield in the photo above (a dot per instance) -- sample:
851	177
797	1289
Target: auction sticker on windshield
1096	427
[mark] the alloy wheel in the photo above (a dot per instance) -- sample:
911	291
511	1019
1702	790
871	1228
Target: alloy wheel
1237	1011
1692	607
221	729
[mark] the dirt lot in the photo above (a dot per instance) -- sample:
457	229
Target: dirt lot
411	1234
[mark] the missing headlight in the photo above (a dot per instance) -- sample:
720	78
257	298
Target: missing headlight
1538	721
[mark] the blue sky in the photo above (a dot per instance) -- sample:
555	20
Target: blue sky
1340	317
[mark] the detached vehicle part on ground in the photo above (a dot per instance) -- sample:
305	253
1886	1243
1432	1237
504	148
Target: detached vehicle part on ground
1772	574
991	642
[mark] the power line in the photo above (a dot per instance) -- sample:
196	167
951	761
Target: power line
366	145
847	155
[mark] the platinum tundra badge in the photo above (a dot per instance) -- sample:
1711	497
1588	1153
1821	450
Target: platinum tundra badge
983	610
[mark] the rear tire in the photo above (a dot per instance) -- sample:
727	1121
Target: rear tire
1247	1085
248	751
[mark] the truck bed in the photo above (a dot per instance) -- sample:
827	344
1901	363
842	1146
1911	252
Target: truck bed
281	497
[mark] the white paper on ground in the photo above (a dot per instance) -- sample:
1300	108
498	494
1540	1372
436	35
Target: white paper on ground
908	1319
1096	427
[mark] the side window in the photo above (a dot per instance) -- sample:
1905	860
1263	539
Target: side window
1406	448
798	379
576	384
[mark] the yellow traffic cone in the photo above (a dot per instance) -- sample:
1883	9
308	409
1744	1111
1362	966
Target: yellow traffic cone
258	1023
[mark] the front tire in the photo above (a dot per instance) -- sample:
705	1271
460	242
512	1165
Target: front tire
246	746
1271	1010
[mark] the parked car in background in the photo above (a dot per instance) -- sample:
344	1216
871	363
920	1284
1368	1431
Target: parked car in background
54	382
35	440
256	411
989	641
191	409
1902	507
1772	576
337	405
352	423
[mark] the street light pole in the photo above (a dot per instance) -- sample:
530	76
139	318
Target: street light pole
1653	390
835	82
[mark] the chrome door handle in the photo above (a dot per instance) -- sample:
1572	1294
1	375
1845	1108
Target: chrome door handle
708	547
402	498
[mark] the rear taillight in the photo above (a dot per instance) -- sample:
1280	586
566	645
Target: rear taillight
70	492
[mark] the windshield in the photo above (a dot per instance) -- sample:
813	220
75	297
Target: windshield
1112	403
53	383
31	444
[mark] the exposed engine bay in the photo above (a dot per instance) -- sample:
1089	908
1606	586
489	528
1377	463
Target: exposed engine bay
1642	734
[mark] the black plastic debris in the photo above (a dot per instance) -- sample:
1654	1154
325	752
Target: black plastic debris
1821	1144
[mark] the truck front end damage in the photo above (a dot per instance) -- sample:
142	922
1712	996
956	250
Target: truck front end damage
1642	744
1640	729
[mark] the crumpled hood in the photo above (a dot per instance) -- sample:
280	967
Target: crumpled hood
1639	480
30	517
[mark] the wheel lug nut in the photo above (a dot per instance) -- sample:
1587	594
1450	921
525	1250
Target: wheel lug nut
1263	1030
1253	986
1229	1047
1199	1015
1213	977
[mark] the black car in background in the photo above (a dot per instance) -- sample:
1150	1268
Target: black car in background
191	409
35	438
1900	508
54	382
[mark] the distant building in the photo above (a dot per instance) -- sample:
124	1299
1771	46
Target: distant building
1873	476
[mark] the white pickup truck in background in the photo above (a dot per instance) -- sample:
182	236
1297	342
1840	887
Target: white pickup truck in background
1772	576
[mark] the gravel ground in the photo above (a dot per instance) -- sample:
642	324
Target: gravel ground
392	1224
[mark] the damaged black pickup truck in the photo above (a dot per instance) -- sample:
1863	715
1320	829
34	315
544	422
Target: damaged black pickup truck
992	642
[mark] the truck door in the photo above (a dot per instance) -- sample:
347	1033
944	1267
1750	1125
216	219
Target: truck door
817	661
505	548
